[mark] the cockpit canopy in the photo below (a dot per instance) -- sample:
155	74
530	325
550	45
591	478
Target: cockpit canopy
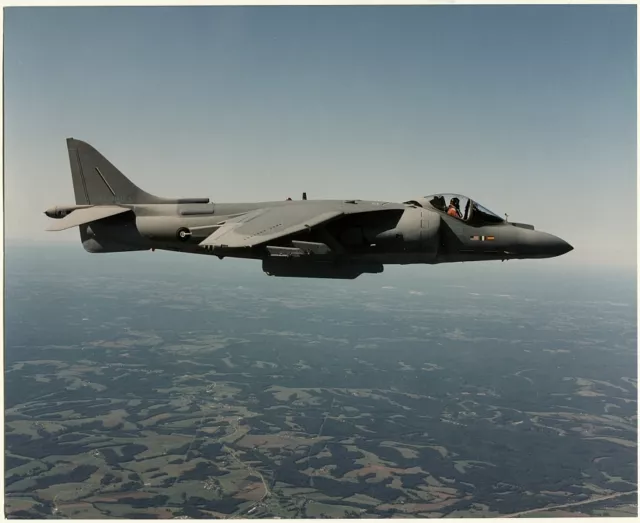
460	207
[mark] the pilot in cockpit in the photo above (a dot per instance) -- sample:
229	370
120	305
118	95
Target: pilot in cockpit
454	208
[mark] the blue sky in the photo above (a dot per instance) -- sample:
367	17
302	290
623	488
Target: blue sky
531	110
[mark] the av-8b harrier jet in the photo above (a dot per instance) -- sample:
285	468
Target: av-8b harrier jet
297	238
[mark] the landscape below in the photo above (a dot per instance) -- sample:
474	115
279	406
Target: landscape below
164	386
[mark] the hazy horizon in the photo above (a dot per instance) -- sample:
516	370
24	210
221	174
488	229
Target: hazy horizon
514	277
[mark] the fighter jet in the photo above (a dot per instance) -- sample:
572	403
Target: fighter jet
305	238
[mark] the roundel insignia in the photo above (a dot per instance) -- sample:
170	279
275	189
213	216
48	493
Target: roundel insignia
183	234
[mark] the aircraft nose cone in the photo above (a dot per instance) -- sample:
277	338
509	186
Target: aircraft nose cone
554	246
564	248
543	245
548	246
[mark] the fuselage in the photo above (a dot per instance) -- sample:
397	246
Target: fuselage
302	238
413	232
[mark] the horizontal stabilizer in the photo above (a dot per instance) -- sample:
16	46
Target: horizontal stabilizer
82	216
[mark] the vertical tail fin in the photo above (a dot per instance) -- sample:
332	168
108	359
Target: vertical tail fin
97	182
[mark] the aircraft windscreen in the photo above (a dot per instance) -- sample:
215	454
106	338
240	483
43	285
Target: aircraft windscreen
482	214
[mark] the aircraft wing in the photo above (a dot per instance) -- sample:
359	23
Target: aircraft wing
82	216
263	225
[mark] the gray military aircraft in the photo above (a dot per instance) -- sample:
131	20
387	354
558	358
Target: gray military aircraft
298	238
